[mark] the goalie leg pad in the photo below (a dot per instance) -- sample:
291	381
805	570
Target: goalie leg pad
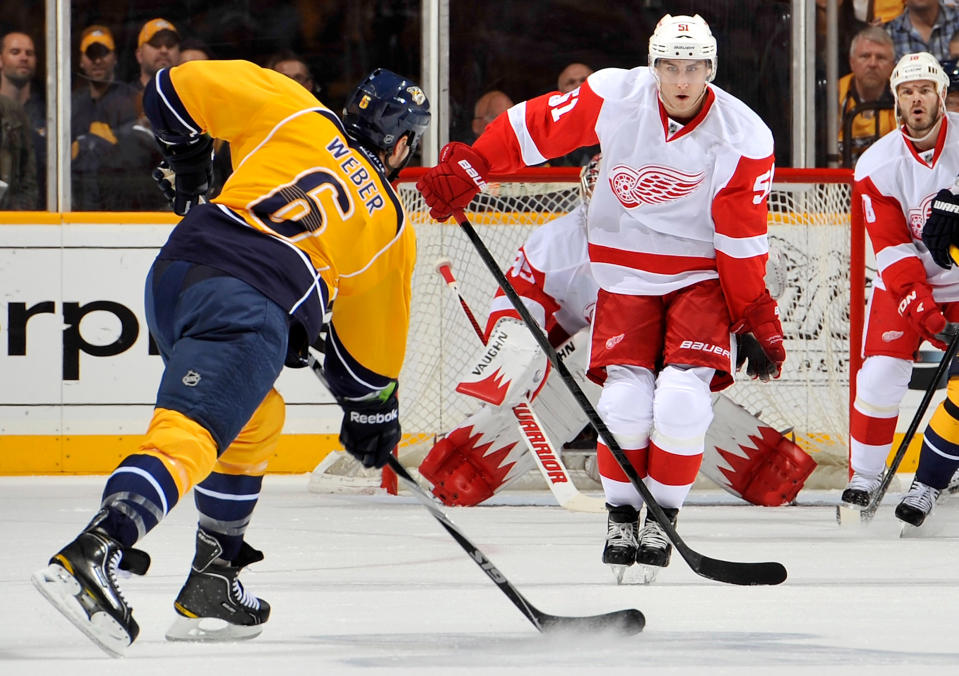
510	367
750	459
477	458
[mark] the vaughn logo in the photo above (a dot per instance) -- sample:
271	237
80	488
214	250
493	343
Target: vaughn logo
494	346
651	184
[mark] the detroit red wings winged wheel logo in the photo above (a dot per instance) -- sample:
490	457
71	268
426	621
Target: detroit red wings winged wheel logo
651	184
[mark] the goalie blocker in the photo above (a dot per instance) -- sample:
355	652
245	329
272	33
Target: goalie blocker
485	453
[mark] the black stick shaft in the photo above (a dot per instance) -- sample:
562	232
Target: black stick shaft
628	621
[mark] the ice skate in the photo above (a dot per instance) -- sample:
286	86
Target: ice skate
860	490
621	544
213	605
81	582
654	546
917	503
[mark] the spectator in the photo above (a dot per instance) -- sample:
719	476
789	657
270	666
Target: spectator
101	107
293	67
18	169
572	76
192	49
18	66
925	26
951	66
487	108
158	46
871	61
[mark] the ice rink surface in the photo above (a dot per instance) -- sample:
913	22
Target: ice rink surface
373	585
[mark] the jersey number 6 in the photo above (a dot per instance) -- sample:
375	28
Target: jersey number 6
299	209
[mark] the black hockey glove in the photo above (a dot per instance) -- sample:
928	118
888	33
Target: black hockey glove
942	227
185	175
758	365
371	428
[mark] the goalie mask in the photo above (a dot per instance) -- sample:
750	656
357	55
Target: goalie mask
683	37
384	108
587	178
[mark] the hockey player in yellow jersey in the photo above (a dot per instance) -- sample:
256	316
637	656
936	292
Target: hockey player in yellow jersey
242	287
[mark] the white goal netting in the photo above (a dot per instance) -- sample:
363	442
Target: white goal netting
808	230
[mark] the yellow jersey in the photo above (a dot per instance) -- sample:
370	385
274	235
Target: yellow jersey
304	205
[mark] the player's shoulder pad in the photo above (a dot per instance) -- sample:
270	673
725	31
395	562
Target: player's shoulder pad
740	126
885	154
559	244
618	83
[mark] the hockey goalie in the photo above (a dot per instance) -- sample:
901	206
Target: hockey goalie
487	452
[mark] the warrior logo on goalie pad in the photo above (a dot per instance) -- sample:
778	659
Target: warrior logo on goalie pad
510	368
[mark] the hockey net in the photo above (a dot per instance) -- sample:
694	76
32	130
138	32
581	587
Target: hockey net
809	229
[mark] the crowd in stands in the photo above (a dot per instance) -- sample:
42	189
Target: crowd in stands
113	151
112	148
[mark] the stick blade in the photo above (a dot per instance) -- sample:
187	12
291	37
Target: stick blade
621	622
741	573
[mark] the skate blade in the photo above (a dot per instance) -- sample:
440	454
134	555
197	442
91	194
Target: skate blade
618	571
210	629
647	574
850	516
63	591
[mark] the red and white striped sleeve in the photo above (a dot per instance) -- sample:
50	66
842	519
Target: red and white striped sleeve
739	217
897	258
539	129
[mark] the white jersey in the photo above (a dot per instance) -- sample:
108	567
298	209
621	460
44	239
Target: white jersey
674	204
553	261
895	187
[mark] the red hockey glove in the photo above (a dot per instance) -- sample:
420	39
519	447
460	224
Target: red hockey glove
921	310
454	181
761	318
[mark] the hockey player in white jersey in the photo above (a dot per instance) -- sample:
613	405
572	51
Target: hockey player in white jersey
485	452
896	184
677	244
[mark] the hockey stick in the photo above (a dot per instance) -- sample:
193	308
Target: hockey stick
556	475
626	622
733	572
870	509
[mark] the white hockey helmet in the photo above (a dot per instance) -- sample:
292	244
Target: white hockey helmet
683	37
919	66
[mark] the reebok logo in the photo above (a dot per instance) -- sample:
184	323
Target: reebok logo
473	174
374	418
